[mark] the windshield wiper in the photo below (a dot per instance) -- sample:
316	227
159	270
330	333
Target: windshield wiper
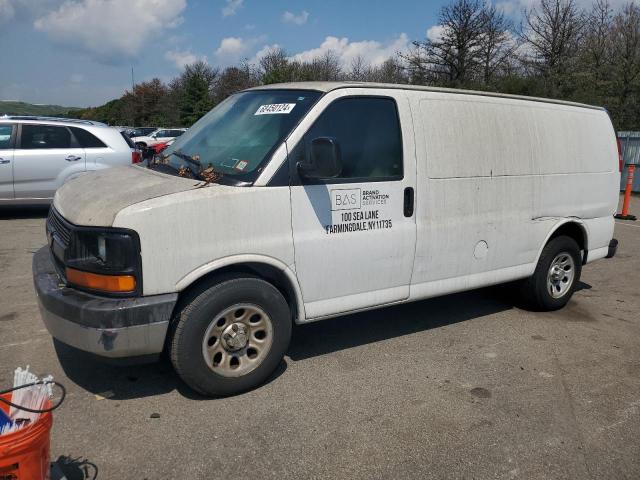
209	174
187	158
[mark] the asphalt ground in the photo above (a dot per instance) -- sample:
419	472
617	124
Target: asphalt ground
463	386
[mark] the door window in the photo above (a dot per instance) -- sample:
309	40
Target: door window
367	130
87	139
44	136
5	136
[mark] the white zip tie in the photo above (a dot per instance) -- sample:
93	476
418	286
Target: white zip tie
33	397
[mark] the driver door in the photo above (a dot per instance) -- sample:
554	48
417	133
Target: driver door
355	234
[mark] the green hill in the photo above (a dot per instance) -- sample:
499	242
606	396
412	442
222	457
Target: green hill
22	108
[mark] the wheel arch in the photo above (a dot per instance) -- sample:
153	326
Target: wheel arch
268	268
573	228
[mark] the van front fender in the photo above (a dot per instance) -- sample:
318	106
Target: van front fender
247	259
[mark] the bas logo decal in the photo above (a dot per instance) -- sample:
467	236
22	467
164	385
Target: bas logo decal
346	199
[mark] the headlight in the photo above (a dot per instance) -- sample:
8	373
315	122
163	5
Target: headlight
104	261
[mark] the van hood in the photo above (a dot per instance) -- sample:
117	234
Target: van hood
94	199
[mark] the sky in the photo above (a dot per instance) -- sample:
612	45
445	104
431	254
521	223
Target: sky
81	52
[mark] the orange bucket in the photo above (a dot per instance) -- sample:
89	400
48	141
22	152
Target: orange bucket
24	454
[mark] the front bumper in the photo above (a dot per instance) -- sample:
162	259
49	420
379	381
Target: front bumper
108	327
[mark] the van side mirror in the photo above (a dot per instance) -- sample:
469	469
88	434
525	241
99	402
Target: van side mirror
325	160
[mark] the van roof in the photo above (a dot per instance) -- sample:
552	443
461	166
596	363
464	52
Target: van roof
329	86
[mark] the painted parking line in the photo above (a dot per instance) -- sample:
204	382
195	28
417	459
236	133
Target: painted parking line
628	224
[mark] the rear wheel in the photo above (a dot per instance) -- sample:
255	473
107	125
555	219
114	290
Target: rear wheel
556	276
231	336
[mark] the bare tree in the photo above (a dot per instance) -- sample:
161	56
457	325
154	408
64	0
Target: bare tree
551	33
497	45
390	71
453	56
360	71
626	63
597	38
276	67
323	68
234	79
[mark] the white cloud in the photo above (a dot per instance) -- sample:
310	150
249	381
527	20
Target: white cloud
183	58
234	49
301	19
110	30
232	7
435	33
25	9
371	51
231	47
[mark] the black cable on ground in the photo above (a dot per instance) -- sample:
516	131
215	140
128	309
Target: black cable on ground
27	385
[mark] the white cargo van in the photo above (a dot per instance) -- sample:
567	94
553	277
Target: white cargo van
298	202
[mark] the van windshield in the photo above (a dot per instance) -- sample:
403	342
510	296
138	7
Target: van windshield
238	137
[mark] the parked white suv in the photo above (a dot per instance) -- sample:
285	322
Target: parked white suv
161	135
39	154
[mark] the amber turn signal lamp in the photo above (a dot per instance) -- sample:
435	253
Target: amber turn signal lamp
104	283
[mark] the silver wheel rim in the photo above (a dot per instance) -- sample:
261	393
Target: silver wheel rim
238	340
561	274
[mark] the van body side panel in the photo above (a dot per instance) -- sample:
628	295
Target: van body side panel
181	232
469	219
497	176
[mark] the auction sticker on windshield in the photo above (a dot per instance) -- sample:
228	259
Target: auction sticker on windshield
275	108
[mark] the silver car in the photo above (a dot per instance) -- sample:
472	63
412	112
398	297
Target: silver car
39	154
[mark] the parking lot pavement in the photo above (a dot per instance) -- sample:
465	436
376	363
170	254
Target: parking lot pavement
464	386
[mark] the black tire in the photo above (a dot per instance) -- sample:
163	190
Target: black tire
535	289
198	313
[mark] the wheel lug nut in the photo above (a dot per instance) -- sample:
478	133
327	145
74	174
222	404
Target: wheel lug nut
234	327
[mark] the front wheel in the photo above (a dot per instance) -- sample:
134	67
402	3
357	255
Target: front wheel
556	275
231	336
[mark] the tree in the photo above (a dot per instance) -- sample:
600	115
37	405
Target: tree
197	80
390	71
360	71
596	44
496	44
234	79
323	68
551	33
626	66
452	56
276	67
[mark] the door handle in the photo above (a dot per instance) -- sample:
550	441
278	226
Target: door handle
408	201
3	161
73	158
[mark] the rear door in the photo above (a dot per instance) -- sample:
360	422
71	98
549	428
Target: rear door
45	156
7	136
354	235
96	151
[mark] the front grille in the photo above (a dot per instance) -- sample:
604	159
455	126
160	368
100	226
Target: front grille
58	226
